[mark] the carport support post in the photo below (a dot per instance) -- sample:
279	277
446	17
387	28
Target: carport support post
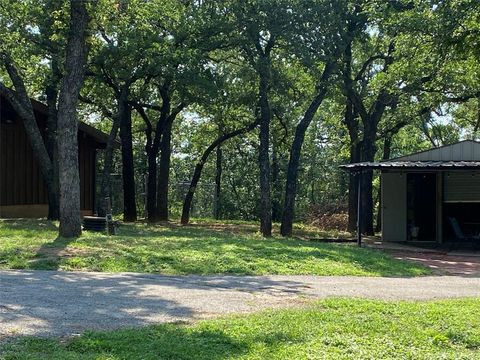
359	210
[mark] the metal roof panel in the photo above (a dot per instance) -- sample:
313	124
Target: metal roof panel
431	165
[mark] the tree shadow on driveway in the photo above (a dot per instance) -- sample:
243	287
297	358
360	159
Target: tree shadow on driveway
56	303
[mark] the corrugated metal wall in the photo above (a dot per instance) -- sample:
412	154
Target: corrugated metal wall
461	186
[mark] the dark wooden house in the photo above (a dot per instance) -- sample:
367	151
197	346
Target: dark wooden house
22	191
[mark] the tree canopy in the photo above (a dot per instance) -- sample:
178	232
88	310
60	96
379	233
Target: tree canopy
242	109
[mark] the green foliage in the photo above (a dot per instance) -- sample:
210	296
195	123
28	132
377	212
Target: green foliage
329	329
208	52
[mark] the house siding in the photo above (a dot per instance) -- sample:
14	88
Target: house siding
22	190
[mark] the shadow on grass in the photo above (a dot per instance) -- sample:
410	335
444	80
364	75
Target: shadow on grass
341	328
28	224
32	231
174	249
50	254
163	342
156	342
192	250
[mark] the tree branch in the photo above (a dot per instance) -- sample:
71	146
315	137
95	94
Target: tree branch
103	109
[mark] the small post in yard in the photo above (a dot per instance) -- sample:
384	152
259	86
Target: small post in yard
359	210
109	217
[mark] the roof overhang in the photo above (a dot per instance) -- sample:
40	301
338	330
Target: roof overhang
99	137
413	166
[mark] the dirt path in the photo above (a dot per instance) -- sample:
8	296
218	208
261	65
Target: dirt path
443	264
50	303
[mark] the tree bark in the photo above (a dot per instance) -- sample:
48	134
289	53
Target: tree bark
368	154
295	152
152	148
52	149
370	119
67	134
105	186
353	188
151	196
351	121
218	183
152	153
370	127
128	174
187	204
164	173
277	188
263	156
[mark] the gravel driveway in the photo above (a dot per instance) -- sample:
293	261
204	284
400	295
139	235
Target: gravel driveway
51	303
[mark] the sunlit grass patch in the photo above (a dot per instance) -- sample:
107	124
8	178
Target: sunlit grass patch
329	329
207	248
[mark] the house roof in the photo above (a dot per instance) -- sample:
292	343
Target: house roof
96	134
464	155
100	137
413	165
466	150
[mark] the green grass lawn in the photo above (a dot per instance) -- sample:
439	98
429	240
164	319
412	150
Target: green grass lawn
330	329
205	248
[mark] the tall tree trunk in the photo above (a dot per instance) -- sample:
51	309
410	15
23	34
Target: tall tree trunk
263	155
218	184
164	173
52	148
353	187
370	119
105	186
151	200
351	121
295	152
151	149
276	202
153	146
187	204
128	174
67	134
370	125
368	155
